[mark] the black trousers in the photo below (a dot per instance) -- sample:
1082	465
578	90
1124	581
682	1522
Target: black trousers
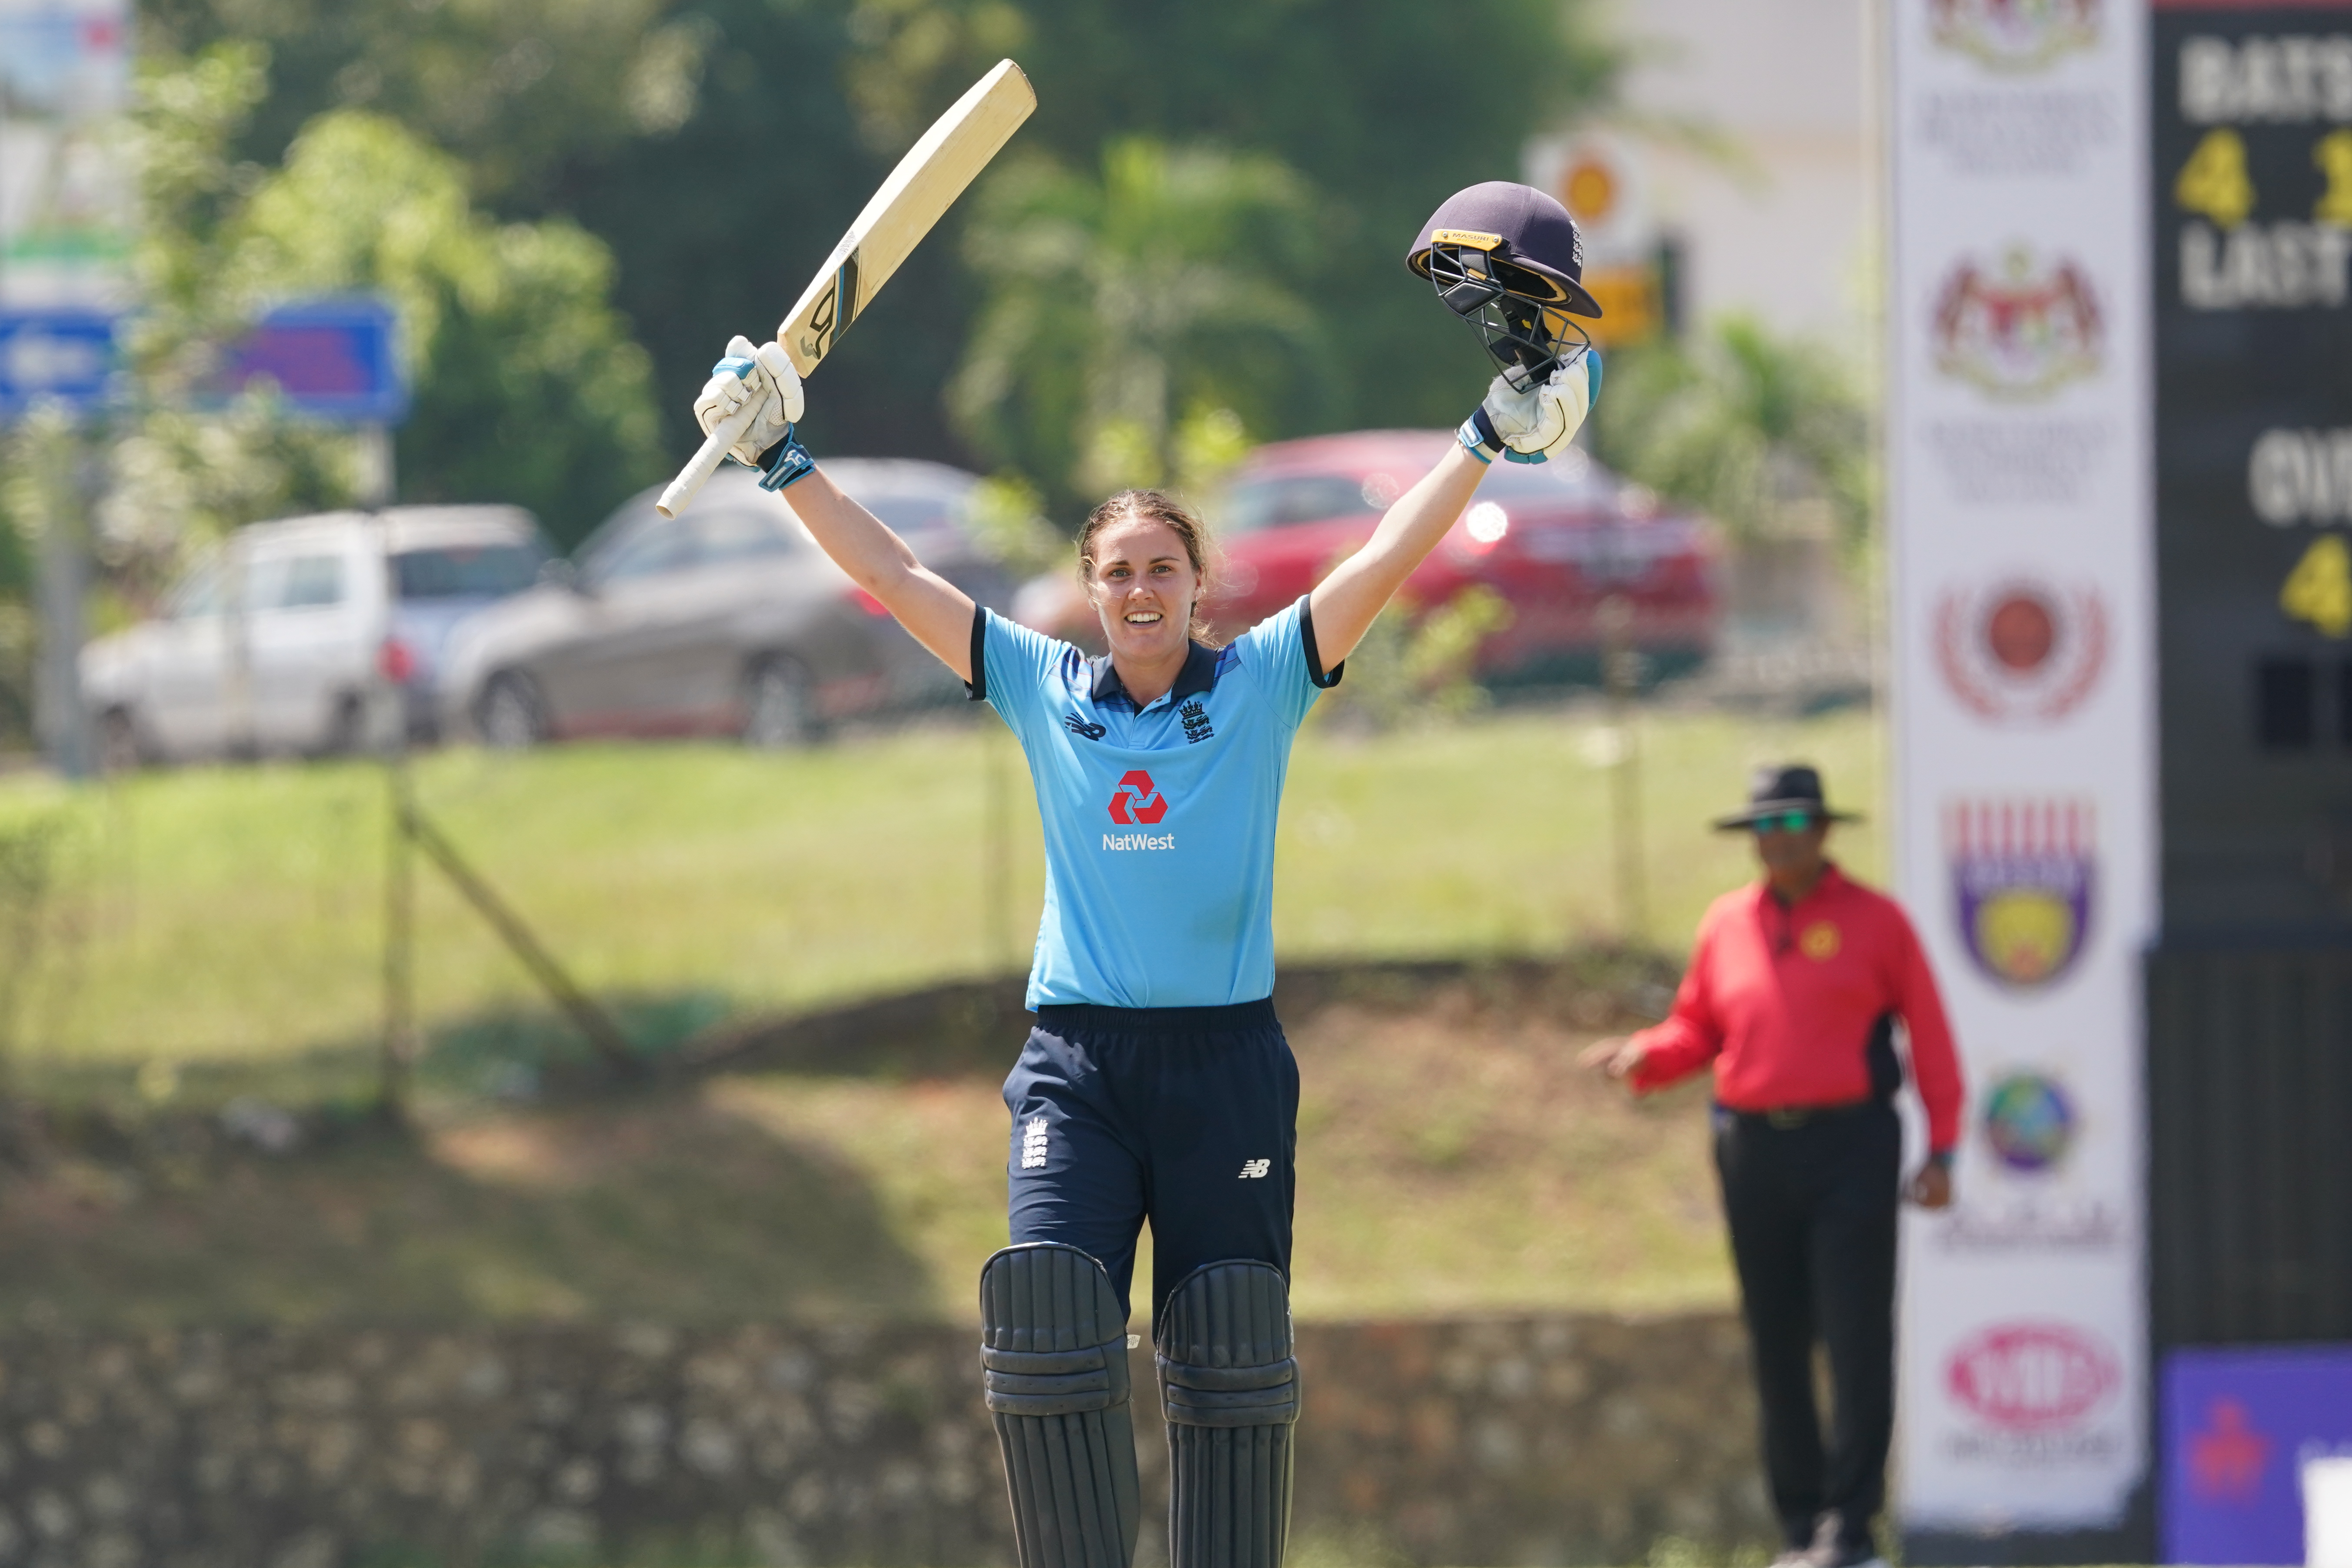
1812	1207
1187	1116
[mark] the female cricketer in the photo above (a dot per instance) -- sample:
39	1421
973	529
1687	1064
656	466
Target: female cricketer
1157	1085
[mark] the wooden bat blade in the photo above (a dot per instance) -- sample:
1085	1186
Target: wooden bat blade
936	170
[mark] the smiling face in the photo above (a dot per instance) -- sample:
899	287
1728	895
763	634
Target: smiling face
1143	585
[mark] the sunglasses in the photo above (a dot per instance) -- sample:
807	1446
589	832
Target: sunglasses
1783	822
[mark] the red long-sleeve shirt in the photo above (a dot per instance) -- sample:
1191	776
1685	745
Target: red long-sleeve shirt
1783	999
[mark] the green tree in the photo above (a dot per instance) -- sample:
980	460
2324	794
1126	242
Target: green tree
1382	106
1127	316
1767	434
516	90
180	465
718	147
719	218
527	385
708	143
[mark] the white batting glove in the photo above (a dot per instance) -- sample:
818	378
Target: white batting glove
1538	423
762	375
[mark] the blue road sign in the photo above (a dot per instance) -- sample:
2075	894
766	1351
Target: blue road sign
62	355
331	358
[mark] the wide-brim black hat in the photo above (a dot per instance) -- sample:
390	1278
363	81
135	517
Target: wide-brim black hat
1520	226
1787	787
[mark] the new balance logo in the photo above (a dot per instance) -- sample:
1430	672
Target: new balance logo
1033	1144
1080	727
1252	1169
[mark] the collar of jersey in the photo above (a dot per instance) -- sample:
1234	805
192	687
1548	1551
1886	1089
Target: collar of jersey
1833	881
1199	675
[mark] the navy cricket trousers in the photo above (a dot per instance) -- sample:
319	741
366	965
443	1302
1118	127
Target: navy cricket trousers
1184	1117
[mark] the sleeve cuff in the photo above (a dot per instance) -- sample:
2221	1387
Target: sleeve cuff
1314	672
976	689
1477	435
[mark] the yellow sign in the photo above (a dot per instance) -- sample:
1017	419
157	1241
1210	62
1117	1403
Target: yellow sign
1631	308
1589	191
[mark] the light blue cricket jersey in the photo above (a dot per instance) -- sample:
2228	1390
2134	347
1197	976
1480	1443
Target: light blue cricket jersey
1158	823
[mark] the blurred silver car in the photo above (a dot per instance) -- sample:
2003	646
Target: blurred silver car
278	640
726	621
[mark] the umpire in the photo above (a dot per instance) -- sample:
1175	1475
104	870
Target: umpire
1795	985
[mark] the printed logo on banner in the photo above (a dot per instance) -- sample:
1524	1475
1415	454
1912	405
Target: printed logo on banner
2228	1455
2031	1377
2029	1126
1977	1226
2021	884
2014	35
2020	650
2019	328
2029	1123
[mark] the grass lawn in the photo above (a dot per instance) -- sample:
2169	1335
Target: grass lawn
813	1195
237	913
212	918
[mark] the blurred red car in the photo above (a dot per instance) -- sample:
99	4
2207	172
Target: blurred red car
1553	539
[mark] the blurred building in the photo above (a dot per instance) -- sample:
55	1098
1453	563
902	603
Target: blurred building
1739	176
1778	217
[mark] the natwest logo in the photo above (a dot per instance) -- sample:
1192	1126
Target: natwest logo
1138	801
2030	1377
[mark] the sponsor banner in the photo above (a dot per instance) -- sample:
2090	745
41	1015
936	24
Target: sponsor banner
2244	1431
66	198
2024	741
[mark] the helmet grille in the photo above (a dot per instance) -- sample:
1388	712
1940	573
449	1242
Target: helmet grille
1514	309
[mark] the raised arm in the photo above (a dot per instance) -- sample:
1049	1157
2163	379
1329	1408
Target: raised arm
935	610
1536	424
1348	601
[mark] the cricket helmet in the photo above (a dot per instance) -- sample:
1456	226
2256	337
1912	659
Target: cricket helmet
1507	259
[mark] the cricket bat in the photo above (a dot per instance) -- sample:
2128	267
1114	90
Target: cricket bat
919	191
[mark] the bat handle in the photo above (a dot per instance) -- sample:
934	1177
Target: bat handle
705	462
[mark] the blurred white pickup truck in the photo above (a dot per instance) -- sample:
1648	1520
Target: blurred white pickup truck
285	639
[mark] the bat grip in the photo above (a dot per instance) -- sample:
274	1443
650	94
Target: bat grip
705	462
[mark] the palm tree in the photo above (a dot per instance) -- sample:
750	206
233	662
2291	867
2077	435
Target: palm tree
1128	317
1767	435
